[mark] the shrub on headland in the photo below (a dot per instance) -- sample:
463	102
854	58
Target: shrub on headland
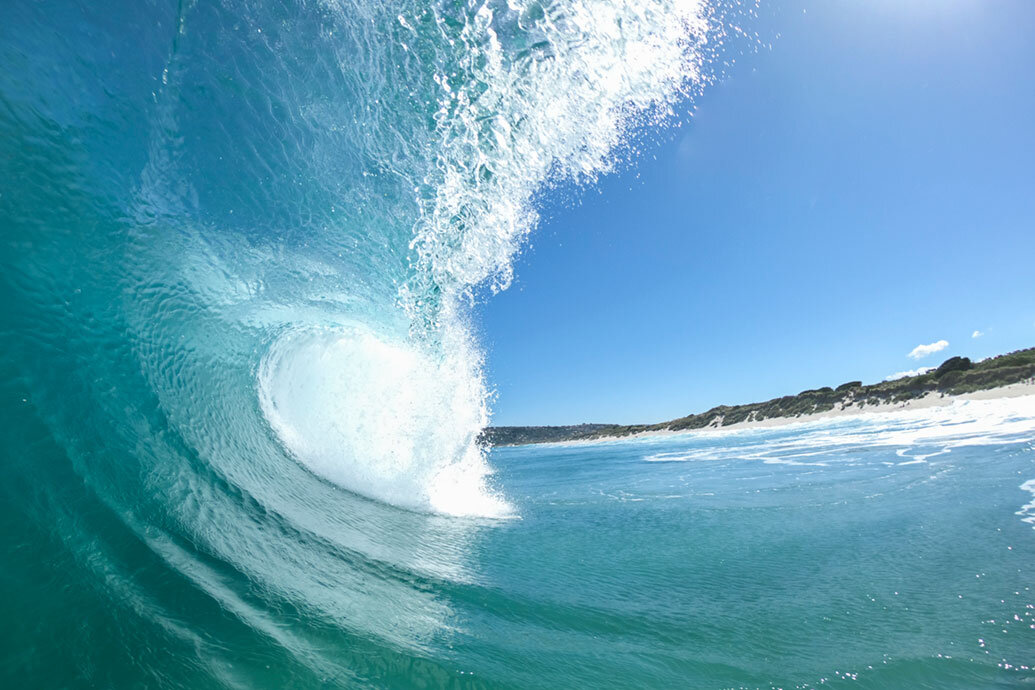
953	364
956	375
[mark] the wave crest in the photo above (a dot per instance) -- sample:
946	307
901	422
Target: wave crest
540	91
516	95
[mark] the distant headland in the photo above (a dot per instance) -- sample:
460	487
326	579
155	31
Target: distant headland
957	376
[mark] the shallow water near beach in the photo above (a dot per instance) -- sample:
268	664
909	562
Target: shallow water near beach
886	550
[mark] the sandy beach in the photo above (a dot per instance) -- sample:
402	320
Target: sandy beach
1015	390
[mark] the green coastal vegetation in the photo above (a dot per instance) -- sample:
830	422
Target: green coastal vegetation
955	376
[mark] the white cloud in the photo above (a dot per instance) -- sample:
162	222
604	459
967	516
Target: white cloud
921	351
976	334
911	372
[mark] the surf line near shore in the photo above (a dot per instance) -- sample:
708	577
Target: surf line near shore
957	378
929	401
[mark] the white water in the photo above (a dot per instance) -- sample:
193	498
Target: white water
380	418
526	93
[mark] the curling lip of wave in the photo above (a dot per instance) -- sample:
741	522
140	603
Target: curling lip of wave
531	94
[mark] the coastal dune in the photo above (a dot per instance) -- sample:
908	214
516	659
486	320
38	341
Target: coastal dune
957	379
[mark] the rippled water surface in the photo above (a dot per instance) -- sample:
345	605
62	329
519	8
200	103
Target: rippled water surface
891	550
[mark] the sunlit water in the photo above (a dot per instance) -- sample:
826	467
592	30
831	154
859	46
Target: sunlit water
239	398
884	551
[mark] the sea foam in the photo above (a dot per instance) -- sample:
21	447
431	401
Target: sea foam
520	94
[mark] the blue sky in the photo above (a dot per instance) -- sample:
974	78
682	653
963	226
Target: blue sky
864	187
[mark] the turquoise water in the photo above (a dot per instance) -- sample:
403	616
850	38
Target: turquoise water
239	396
889	551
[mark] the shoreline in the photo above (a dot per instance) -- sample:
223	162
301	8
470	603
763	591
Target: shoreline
956	379
931	400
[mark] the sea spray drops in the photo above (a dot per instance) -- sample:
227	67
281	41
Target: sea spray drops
523	93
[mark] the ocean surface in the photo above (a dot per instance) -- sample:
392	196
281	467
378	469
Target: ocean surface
240	396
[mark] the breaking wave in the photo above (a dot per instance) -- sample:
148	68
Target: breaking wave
260	227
